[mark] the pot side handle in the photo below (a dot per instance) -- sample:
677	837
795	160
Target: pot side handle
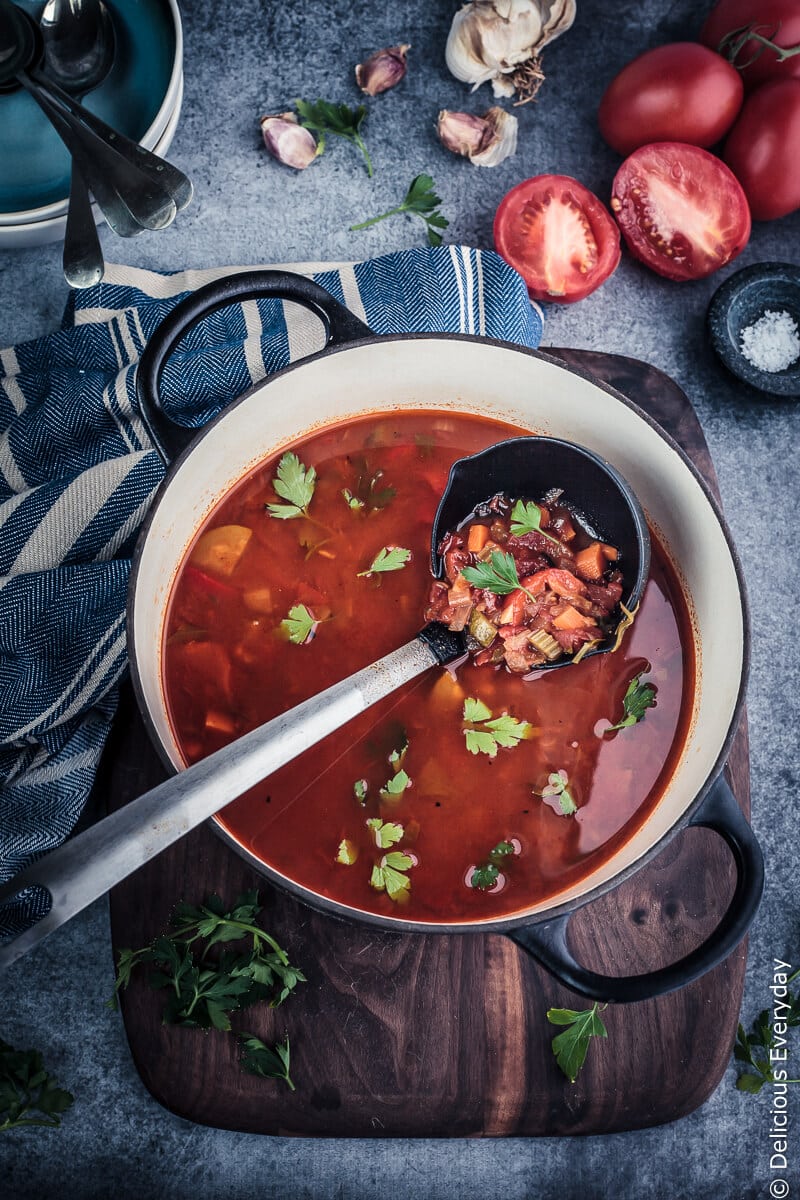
547	942
339	323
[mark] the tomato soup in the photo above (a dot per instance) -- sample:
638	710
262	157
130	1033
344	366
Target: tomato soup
468	793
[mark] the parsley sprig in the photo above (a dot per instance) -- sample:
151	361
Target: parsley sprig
635	703
389	875
754	1049
388	558
421	201
570	1047
338	120
271	1062
526	517
498	575
295	484
28	1094
203	990
300	625
485	874
498	731
558	785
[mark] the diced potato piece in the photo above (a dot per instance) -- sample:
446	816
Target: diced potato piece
258	600
219	550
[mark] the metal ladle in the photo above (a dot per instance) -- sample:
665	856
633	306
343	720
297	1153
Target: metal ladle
79	48
87	866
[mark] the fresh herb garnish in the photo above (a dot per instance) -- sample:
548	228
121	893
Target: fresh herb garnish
498	575
635	703
557	783
203	991
388	558
369	493
500	731
360	791
271	1062
527	518
570	1047
339	120
389	875
394	787
295	484
485	875
398	755
386	833
28	1094
300	625
420	200
347	852
755	1050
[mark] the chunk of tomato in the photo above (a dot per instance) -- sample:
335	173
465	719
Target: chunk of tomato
558	236
682	212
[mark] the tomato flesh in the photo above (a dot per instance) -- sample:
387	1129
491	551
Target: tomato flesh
680	209
559	236
680	92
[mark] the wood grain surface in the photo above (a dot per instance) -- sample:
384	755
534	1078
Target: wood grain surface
445	1036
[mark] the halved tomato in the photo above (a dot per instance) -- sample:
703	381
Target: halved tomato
558	235
682	212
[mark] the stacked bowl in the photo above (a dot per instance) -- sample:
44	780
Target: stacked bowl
141	97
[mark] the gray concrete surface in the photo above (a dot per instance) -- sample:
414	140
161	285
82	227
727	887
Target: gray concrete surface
250	57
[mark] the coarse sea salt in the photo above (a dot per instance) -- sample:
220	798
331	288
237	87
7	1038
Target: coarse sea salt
771	343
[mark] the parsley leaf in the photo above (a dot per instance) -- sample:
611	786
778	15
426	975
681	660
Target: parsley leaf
557	783
369	493
386	833
570	1047
502	731
753	1049
202	990
324	118
271	1062
635	703
347	852
394	787
360	791
300	626
28	1094
498	575
420	200
295	484
485	875
527	518
388	558
389	875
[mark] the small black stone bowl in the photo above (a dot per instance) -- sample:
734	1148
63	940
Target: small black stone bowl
740	302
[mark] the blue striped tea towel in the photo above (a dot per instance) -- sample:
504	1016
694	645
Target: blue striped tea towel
77	474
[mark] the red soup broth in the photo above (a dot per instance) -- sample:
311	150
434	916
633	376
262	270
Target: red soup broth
229	666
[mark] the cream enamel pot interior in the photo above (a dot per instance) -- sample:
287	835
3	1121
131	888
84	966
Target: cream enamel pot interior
359	372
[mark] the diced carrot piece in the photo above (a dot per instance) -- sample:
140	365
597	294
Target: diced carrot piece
477	538
591	562
611	552
513	609
219	550
570	618
219	722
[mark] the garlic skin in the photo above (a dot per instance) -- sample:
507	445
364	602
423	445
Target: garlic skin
501	40
485	140
382	70
288	141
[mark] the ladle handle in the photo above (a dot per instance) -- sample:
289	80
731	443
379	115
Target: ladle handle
547	942
340	326
85	867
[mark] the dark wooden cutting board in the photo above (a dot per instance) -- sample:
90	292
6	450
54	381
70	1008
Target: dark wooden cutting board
436	1036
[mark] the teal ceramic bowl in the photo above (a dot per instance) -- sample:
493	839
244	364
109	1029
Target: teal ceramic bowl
138	97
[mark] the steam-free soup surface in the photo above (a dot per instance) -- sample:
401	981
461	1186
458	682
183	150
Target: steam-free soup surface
423	808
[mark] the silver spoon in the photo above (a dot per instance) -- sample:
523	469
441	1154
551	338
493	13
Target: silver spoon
79	48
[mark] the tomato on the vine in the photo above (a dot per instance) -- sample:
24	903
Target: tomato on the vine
776	20
680	209
681	92
763	149
558	235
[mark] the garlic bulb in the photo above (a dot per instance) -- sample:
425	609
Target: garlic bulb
288	141
501	40
485	140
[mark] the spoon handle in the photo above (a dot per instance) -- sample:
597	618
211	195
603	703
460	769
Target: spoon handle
83	255
85	867
169	177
